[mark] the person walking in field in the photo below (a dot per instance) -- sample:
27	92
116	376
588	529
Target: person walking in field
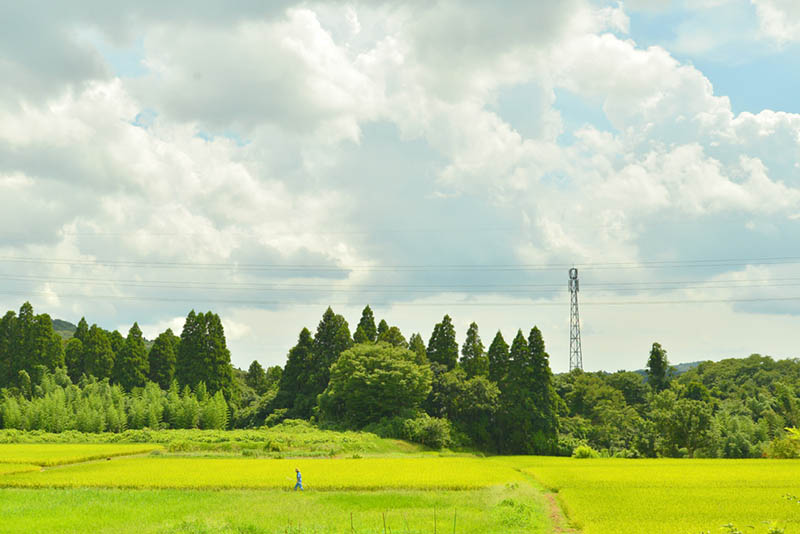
299	480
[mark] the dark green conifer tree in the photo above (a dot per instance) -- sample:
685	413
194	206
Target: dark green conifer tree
203	355
256	378
511	438
543	396
36	343
162	358
383	326
7	346
23	341
417	346
498	358
131	365
442	347
658	368
473	358
528	419
393	336
73	357
189	350
117	341
98	356
82	331
296	374
366	331
331	339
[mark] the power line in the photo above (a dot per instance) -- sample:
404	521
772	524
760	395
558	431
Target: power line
652	264
404	304
294	286
397	288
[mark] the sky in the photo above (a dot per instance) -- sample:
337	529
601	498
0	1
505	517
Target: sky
266	160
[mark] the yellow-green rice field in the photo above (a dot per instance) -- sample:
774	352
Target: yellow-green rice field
672	496
428	473
49	454
497	494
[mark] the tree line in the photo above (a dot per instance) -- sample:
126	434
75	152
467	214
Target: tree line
28	344
503	398
734	408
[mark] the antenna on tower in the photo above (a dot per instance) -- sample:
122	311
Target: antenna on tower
575	357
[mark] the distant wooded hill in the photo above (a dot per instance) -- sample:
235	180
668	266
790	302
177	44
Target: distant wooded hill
65	329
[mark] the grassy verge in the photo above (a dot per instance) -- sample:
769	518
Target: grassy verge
291	438
507	509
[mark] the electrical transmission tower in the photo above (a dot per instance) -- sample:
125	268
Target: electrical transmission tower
575	357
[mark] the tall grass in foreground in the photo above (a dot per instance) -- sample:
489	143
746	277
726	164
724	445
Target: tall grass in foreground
507	509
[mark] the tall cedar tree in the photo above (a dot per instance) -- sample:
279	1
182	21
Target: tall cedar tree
203	355
528	399
417	346
97	354
7	327
383	326
273	374
131	364
513	430
473	359
393	336
658	368
544	397
82	331
332	338
34	342
366	331
295	373
256	378
117	341
498	358
442	347
73	358
22	343
162	357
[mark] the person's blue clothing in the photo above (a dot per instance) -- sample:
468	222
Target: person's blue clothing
299	482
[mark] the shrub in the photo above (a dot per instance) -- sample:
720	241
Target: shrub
276	417
585	451
433	432
566	444
787	446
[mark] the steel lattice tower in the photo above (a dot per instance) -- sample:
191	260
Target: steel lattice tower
575	356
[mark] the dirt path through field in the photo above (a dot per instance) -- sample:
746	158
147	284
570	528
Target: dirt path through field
554	511
557	517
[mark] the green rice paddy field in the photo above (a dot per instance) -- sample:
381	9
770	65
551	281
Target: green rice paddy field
99	488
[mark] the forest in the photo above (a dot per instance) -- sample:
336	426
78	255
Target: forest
501	399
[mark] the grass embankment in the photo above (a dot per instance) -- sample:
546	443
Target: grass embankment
291	438
672	496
